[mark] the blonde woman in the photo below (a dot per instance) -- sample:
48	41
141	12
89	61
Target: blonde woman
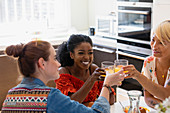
155	68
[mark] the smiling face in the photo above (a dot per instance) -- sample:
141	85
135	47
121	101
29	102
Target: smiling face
159	49
83	55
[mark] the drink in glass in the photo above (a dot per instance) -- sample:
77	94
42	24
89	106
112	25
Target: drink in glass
108	66
119	64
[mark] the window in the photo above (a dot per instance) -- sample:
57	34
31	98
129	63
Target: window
22	20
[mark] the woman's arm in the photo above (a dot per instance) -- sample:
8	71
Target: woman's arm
112	96
154	89
110	80
82	93
150	100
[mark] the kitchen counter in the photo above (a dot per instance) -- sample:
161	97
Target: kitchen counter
103	41
54	40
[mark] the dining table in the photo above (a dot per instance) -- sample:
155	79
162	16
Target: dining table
122	100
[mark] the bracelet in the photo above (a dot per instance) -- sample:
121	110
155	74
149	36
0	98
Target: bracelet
108	87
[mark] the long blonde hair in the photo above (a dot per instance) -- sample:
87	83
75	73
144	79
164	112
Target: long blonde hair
162	31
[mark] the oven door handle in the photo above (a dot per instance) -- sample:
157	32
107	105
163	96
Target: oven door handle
134	12
104	49
130	55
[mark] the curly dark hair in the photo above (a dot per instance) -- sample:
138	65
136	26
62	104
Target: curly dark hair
63	53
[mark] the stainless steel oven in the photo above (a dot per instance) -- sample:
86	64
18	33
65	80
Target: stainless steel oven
133	38
133	50
135	53
134	19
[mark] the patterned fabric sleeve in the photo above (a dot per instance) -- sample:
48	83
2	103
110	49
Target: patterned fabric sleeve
65	85
147	67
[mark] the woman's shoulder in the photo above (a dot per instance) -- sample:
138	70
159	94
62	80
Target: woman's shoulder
63	70
149	58
149	61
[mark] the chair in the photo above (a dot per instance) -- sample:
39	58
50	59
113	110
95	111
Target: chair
8	76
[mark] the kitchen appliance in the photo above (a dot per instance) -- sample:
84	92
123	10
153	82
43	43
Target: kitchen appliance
133	37
134	19
134	27
137	0
135	53
106	25
133	49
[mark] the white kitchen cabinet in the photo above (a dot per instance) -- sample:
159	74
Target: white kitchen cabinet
160	11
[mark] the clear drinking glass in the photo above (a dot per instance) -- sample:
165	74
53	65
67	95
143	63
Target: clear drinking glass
134	98
108	66
119	64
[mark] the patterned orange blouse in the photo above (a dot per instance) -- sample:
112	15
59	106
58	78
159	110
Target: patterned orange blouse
70	84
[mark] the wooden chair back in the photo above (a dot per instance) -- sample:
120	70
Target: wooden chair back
8	76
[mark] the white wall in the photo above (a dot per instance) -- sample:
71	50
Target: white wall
100	7
91	11
83	12
79	14
161	12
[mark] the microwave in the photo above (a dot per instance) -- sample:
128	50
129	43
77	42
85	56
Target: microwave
134	20
106	25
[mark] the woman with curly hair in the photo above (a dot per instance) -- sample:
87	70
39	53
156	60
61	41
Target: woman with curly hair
77	73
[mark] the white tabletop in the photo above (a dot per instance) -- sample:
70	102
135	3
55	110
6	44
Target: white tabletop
123	98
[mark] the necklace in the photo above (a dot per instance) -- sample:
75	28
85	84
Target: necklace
162	74
161	70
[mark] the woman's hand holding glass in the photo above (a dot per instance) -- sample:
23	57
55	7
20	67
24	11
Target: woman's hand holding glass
131	71
114	78
108	67
96	75
119	64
